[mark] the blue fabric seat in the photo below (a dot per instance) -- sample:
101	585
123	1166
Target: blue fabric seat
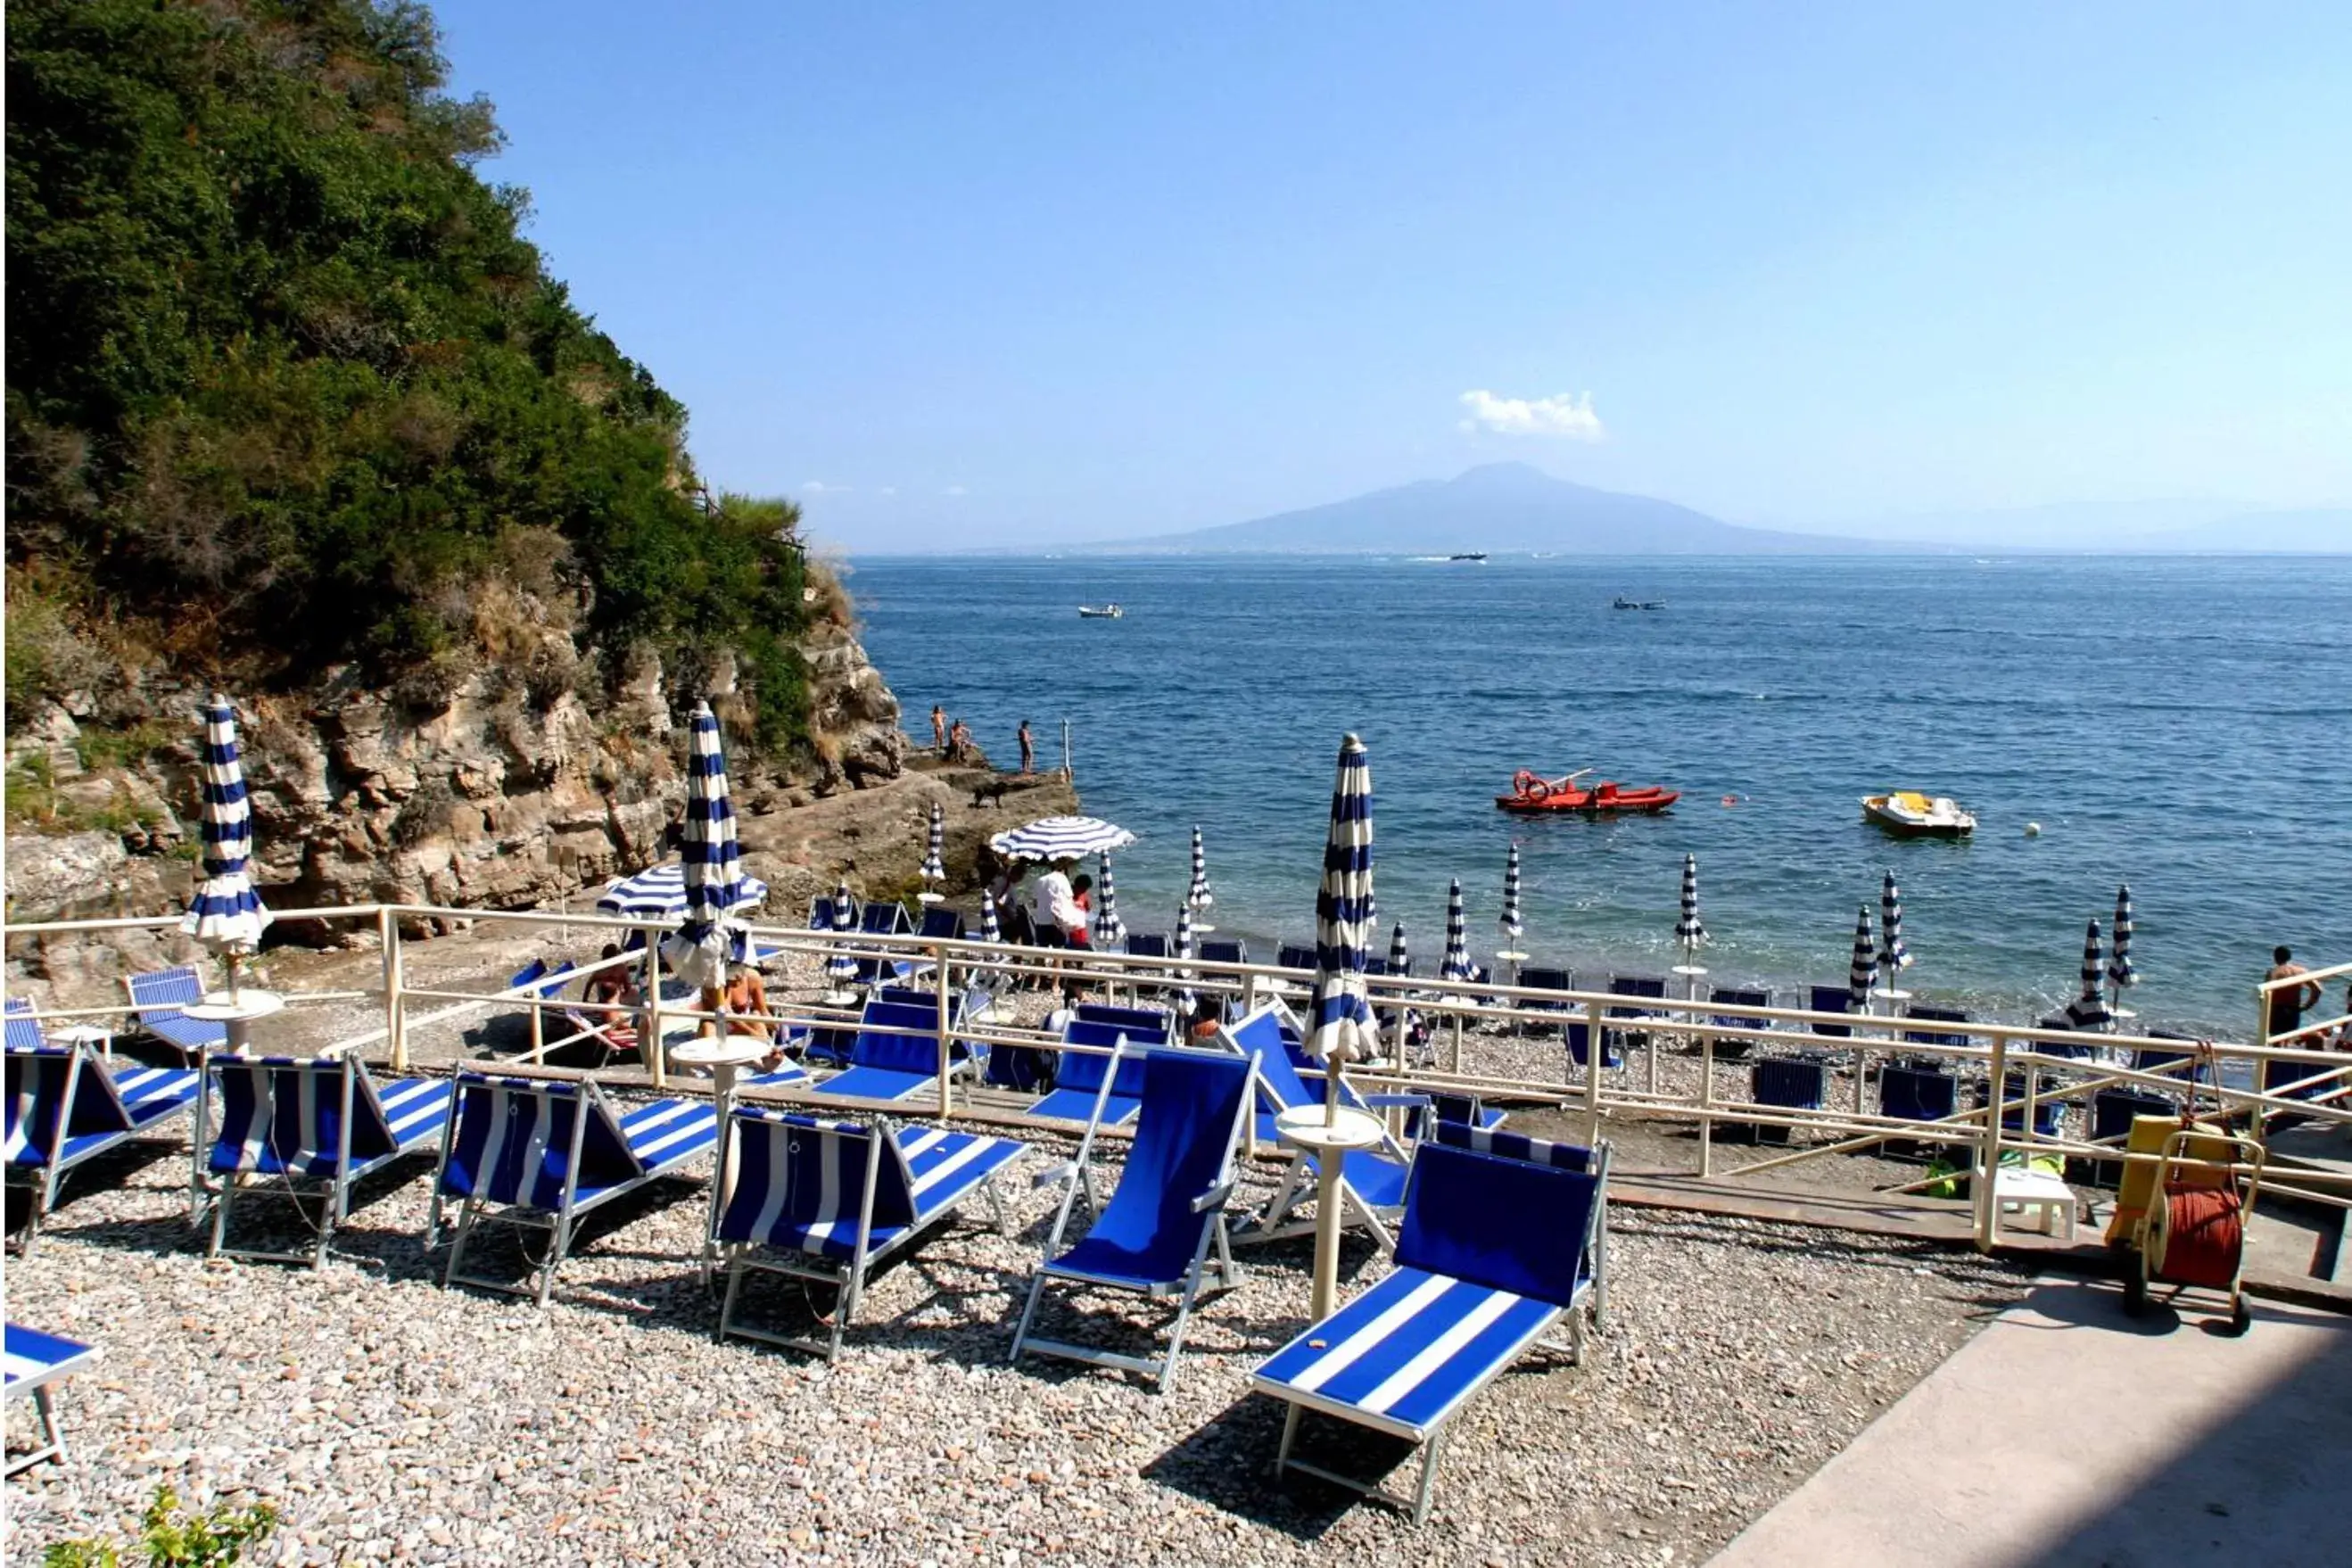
2046	1106
884	917
1646	987
303	1127
941	923
65	1107
1492	1252
1917	1093
536	1154
1080	1075
1830	999
1372	1180
887	1061
1790	1083
35	1364
1140	1022
813	1200
1737	997
156	999
1155	1236
1925	1012
1224	949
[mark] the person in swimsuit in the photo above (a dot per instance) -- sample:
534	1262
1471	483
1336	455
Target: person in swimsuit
1028	749
2288	1001
939	729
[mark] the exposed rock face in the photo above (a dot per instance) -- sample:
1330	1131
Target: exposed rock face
493	794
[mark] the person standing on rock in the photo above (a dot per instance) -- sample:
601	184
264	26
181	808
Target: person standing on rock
1028	750
939	729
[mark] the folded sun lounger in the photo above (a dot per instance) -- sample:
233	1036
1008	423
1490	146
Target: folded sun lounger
1372	1180
1492	1254
156	999
304	1130
66	1107
35	1360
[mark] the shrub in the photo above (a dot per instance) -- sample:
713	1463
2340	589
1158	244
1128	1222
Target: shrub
171	1537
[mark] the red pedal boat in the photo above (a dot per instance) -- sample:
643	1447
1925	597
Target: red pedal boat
1533	796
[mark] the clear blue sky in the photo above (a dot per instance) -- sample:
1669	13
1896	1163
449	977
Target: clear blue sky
994	273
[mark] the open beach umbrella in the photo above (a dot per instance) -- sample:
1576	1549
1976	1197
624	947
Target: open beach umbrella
1199	897
1893	956
935	869
2119	964
1513	926
841	968
1400	955
1053	838
708	941
1109	930
1863	974
1185	1000
1688	931
1457	964
227	915
1340	1027
658	892
2089	1010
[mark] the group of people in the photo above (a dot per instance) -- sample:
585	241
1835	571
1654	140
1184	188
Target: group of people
1054	910
744	1000
952	740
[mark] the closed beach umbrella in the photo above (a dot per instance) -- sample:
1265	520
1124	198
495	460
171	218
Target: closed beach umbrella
2119	964
1400	956
1863	974
659	893
935	867
1893	956
990	929
841	968
708	941
1456	965
1109	930
1052	838
1687	929
227	915
1513	926
1340	1025
1199	897
2089	1009
1184	997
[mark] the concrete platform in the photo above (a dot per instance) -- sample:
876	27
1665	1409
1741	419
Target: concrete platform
2066	1434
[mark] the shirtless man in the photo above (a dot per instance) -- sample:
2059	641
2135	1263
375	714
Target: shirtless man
939	729
2288	1001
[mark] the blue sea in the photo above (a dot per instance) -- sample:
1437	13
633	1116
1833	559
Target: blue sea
2182	724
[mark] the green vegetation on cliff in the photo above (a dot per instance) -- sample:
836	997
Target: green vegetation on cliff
286	387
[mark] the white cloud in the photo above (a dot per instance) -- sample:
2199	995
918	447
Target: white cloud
955	490
819	487
887	491
1559	415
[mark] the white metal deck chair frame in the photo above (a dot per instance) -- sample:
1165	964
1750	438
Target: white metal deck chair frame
402	1117
34	1361
142	1100
1200	1277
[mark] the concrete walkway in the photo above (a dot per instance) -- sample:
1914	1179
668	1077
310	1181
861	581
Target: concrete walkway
2066	1434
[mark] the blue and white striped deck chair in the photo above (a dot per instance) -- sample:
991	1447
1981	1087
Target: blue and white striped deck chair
966	1058
1139	1022
1492	1254
884	917
1101	1084
539	1153
820	916
304	1129
884	1062
1372	1180
65	1107
1155	1236
34	1361
156	1000
1593	1162
811	1201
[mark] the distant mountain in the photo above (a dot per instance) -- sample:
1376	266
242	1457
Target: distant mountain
1502	507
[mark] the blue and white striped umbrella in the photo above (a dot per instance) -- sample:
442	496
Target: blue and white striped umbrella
990	928
1184	996
1513	926
1457	937
1053	838
935	870
658	892
1400	956
1341	1027
227	915
840	967
2088	1010
1109	930
1893	956
2119	964
1863	972
708	941
1199	897
1689	928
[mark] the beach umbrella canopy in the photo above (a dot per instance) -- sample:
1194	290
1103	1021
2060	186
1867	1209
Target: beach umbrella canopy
1061	839
658	892
1199	897
1863	974
1513	927
227	915
1400	956
1687	929
935	869
708	941
1340	1027
1184	997
1109	930
1456	965
2119	964
1892	954
989	928
841	968
2089	1009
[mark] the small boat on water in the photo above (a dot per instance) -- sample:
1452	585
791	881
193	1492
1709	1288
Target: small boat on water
1907	813
1478	555
1622	603
1099	612
1535	796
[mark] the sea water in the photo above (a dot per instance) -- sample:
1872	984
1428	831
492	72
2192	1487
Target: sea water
2180	724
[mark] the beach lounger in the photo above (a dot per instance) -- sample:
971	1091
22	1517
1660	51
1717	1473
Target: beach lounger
941	923
303	1130
1492	1252
538	1153
1085	1087
35	1362
820	915
156	999
65	1107
885	1061
1737	997
1648	987
2112	1114
1921	1012
1225	950
813	1202
1794	1082
1593	1162
2047	1108
1155	1236
1372	1180
1916	1094
1137	1021
1295	955
2155	1059
965	1057
1465	1111
1830	999
883	916
1543	977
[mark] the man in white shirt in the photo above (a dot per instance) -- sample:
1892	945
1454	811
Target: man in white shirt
1053	906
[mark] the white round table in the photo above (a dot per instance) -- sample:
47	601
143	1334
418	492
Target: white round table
725	1057
88	1034
235	1014
1327	1132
